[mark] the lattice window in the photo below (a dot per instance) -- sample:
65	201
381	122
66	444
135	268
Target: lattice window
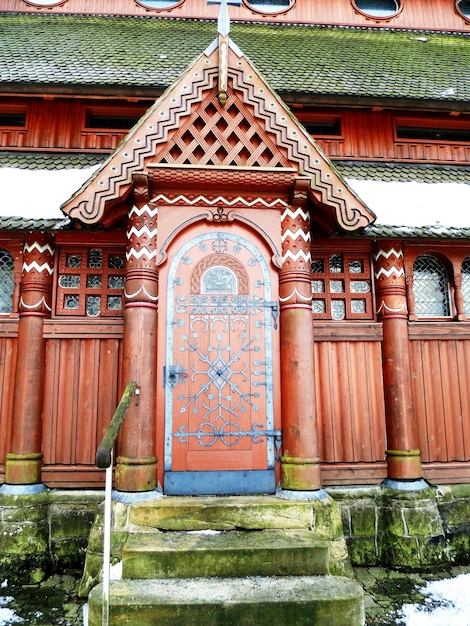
215	135
91	281
430	287
6	281
341	286
466	285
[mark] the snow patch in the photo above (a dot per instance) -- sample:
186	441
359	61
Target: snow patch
38	194
447	602
415	204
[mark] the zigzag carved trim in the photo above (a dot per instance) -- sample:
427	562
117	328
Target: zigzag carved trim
115	177
34	265
388	253
205	201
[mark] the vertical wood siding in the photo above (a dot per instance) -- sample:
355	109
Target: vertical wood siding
441	382
350	403
424	14
81	394
7	373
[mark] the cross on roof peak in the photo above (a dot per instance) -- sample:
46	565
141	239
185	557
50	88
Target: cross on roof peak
223	24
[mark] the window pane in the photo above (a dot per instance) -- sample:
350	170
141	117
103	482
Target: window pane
359	286
114	303
317	266
338	309
430	287
115	262
69	280
95	258
93	304
73	260
336	286
356	267
6	281
378	8
93	281
358	306
71	302
116	282
336	264
318	306
317	286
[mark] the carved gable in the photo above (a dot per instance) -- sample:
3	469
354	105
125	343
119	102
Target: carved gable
188	126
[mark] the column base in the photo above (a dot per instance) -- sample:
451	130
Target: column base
404	464
23	469
298	474
136	474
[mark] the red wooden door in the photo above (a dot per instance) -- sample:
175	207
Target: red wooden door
219	424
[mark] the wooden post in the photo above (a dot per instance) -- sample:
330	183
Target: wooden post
300	464
403	455
136	463
24	460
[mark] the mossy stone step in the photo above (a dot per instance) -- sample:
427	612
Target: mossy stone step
227	553
224	513
256	601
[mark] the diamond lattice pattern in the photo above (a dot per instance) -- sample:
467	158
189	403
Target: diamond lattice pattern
228	135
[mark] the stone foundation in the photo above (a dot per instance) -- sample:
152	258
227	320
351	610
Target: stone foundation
406	530
45	533
50	531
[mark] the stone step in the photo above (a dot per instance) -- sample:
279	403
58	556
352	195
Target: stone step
225	513
224	553
255	601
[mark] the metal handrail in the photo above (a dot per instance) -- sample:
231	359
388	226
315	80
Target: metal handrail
104	460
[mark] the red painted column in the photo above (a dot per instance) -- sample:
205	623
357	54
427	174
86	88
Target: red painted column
24	460
136	468
300	464
403	455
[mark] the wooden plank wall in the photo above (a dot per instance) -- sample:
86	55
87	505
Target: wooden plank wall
416	14
350	410
81	394
365	134
441	385
7	372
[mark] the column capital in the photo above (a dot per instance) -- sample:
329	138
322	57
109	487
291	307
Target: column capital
389	272
38	267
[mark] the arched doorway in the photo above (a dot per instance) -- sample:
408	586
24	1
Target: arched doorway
221	314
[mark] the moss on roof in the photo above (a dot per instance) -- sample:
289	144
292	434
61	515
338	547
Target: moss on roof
50	160
140	52
404	172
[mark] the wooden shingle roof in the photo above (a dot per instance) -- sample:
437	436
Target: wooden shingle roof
66	53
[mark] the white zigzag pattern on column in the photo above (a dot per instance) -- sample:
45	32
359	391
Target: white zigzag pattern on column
37	246
34	265
144	230
387	254
145	209
220	200
388	273
299	234
295	257
142	252
294	214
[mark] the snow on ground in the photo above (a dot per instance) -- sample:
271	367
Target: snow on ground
447	603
